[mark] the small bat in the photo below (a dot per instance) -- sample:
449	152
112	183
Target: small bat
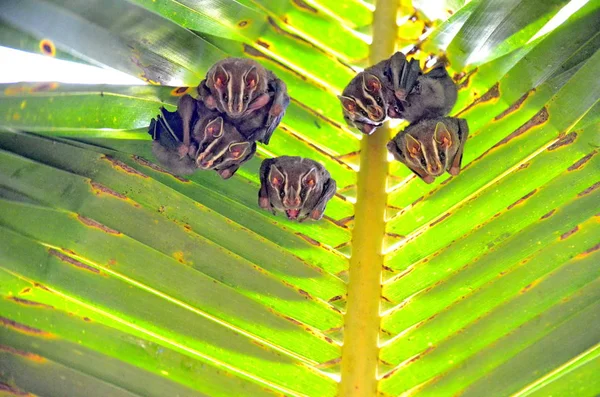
167	134
378	92
214	145
241	89
221	147
298	186
433	95
431	146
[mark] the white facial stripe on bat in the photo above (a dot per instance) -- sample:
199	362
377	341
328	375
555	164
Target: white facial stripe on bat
209	148
229	91
436	157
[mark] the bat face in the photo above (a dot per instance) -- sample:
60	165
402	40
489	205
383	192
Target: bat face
221	146
364	103
297	186
238	86
431	147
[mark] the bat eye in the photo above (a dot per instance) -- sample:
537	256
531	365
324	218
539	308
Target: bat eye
246	97
225	97
423	163
281	194
363	112
379	101
443	157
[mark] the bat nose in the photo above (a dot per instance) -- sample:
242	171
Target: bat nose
434	169
291	202
205	163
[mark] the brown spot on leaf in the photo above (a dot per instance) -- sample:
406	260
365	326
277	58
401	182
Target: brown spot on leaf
582	161
22	327
529	286
13	390
282	32
523	166
241	24
87	319
593	249
263	44
335	298
467	80
446	215
30	303
549	214
99	189
589	189
180	91
310	240
293	320
305	6
71	261
121	165
519	201
27	355
155	167
563	141
569	233
539	118
492	93
44	87
515	105
417	200
48	48
97	225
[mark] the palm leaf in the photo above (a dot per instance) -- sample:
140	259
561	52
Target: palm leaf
119	278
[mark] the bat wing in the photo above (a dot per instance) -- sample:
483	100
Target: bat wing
167	129
410	73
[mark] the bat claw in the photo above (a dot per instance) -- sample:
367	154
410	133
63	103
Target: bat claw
316	215
263	202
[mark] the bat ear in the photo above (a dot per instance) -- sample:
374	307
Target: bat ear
348	103
412	146
214	128
442	135
310	178
251	78
371	83
276	178
238	149
221	77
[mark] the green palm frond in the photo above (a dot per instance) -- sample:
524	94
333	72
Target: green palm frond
119	278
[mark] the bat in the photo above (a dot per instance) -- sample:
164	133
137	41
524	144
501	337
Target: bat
432	96
221	147
431	146
213	143
247	95
379	92
298	186
167	134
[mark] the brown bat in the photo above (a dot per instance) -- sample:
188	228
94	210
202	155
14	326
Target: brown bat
433	95
431	146
247	95
213	143
379	92
221	147
298	186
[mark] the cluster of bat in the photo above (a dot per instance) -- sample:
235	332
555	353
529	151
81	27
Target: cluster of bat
398	88
240	103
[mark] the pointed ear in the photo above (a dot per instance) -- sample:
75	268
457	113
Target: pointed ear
221	77
238	149
348	103
276	178
371	83
251	78
412	146
214	128
311	178
442	135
